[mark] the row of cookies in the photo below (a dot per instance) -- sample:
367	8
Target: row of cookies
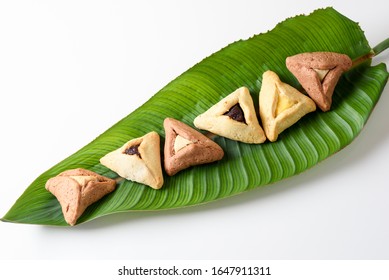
234	117
137	160
280	105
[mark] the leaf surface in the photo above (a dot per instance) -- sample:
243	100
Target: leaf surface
314	138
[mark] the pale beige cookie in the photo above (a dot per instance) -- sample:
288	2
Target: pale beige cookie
233	117
318	73
138	160
76	189
280	105
185	147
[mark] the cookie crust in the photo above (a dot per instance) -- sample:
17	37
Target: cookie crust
216	121
304	66
76	189
200	150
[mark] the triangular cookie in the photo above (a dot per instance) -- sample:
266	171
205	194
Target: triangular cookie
280	105
76	189
233	117
185	147
318	73
138	160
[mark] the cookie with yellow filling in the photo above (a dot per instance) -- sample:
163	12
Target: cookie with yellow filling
318	73
138	160
76	189
280	105
186	147
233	117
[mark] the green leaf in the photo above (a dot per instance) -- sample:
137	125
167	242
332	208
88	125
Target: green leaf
244	167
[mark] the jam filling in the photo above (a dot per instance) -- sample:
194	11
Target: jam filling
133	150
236	113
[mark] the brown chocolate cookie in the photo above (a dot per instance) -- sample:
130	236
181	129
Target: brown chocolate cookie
318	73
76	189
185	147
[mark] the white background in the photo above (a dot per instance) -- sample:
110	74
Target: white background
71	69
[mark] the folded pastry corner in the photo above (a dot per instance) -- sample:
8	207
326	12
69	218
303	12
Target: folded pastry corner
318	73
281	105
233	117
185	147
138	160
76	189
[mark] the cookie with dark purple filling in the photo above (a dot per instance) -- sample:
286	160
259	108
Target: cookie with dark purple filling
233	117
138	160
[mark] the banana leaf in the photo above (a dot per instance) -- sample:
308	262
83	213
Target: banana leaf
245	166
